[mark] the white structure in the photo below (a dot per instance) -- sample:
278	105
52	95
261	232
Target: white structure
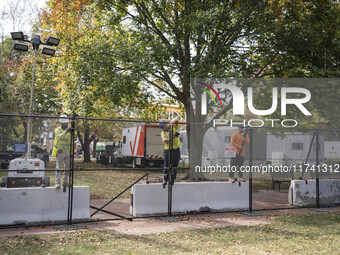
285	148
332	150
294	148
36	205
303	192
152	199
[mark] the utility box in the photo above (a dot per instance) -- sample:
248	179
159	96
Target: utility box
25	176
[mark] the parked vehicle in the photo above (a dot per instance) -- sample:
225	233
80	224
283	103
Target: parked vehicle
7	156
110	155
25	174
40	153
142	145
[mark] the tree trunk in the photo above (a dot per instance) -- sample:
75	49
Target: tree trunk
195	135
195	157
85	144
94	152
87	155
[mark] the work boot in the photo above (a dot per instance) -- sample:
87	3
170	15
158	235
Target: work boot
164	184
232	180
57	186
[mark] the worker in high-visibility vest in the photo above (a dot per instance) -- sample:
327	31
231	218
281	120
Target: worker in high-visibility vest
62	150
170	139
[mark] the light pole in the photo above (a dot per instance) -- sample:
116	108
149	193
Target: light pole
36	42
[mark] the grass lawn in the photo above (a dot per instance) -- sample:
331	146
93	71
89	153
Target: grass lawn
303	234
107	184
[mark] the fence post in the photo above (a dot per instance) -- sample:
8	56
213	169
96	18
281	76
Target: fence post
317	183
71	171
170	161
250	172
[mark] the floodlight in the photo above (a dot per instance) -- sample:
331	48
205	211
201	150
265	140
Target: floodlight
18	36
48	51
36	42
52	41
21	47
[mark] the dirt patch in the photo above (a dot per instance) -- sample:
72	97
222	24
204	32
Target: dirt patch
152	225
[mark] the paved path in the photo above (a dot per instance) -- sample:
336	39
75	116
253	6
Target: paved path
142	226
266	199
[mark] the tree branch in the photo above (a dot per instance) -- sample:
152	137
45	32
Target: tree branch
221	113
259	72
160	88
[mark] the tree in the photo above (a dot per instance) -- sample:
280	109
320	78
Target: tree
16	77
168	43
89	77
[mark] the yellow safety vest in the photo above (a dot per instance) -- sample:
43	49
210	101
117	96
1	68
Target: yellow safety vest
61	141
176	142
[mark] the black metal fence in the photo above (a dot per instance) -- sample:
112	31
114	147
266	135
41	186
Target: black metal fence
275	160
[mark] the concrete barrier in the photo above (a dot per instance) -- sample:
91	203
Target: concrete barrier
152	199
36	205
303	192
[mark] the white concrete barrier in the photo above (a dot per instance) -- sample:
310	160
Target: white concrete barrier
303	193
152	199
33	205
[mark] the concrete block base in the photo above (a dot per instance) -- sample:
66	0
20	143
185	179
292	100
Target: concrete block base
152	199
303	192
36	205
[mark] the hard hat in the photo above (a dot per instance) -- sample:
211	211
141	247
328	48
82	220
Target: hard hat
161	123
63	118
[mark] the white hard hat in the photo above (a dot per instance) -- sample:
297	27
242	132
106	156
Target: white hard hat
63	118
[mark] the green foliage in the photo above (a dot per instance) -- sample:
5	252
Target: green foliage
91	80
15	90
166	43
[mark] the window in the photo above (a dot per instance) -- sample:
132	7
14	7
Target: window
227	139
297	146
124	139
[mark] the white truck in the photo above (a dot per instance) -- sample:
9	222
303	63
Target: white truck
142	146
